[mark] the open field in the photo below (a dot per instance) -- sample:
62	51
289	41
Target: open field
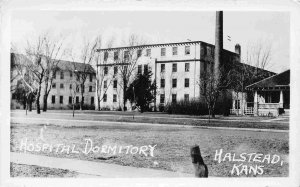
172	144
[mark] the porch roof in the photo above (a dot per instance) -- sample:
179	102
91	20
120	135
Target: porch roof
279	81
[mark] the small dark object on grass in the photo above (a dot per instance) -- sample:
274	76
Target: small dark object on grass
106	158
197	160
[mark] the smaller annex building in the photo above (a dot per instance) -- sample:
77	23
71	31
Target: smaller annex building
272	95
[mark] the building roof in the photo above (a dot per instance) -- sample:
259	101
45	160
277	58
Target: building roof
276	81
72	66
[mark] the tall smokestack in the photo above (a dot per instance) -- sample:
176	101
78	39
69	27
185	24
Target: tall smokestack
218	42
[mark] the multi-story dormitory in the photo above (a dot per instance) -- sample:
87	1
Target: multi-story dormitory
176	67
64	87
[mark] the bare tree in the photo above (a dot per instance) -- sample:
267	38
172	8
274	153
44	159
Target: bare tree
53	54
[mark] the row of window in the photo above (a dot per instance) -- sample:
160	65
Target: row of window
187	51
174	98
62	75
174	67
62	86
114	98
61	100
174	83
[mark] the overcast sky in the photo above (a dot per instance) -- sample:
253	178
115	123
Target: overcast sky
245	28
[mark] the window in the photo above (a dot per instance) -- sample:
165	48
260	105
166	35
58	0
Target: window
70	87
139	53
115	83
90	88
70	100
92	100
71	74
61	99
162	67
82	99
105	70
163	51
162	98
91	77
61	75
54	75
174	83
174	49
208	50
126	55
105	84
187	50
174	98
116	55
174	67
54	85
148	52
162	83
53	99
105	55
115	70
237	104
139	69
114	98
186	97
77	99
104	97
61	86
187	67
145	68
186	83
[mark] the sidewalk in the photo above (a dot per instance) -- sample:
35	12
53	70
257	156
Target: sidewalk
95	169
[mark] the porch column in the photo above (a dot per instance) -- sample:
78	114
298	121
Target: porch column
255	109
281	99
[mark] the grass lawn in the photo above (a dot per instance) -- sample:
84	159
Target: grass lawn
172	145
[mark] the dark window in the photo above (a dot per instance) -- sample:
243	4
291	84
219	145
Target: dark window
61	99
174	98
90	88
54	75
162	98
186	83
105	55
70	100
82	99
139	53
126	55
174	83
105	70
162	83
187	67
71	74
148	52
91	77
139	69
145	68
70	86
115	83
115	70
116	55
77	99
162	68
61	86
54	85
186	97
114	98
163	51
61	75
92	100
53	99
105	84
104	97
187	50
174	49
174	67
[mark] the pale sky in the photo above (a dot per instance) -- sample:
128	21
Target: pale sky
245	28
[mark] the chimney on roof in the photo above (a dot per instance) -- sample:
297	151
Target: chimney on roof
218	42
237	50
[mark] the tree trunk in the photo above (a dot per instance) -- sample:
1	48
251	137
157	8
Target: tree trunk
124	94
38	109
98	103
81	102
45	102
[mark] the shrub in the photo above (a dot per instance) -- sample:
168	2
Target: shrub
84	106
193	107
